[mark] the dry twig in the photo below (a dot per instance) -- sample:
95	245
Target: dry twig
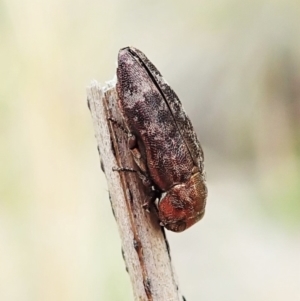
144	244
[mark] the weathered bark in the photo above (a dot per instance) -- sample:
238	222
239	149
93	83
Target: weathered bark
145	248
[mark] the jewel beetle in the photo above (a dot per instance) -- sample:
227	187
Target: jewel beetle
162	140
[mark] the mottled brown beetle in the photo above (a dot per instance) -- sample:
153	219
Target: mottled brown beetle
162	140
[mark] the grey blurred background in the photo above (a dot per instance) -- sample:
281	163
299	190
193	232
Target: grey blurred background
235	66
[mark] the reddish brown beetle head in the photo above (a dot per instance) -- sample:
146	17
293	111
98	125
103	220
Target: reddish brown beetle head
183	205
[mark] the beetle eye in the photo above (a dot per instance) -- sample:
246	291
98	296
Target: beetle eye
181	226
176	227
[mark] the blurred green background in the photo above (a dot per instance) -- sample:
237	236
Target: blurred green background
235	66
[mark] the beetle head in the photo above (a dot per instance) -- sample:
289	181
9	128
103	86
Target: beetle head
184	204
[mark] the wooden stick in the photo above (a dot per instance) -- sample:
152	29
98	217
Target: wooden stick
145	248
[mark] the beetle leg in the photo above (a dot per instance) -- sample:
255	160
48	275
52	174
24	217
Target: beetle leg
124	169
145	179
132	142
152	196
118	125
152	193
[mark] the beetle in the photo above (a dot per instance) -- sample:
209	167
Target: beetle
162	140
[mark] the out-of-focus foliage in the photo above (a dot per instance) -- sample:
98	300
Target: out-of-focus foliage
236	67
